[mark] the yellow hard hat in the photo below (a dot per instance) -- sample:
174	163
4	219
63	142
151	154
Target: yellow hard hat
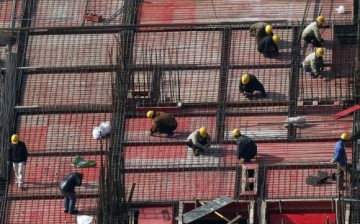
203	132
320	20
268	29
150	114
276	39
345	136
245	79
320	52
236	132
15	139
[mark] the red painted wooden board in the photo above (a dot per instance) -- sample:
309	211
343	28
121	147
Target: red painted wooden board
46	211
346	112
291	183
184	185
285	152
43	175
303	218
60	132
156	215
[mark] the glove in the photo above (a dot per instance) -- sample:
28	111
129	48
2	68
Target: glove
332	161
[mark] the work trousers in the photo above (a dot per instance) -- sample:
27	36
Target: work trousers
19	172
340	172
69	201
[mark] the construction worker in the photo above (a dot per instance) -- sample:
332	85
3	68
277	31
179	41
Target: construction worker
7	38
199	141
246	147
268	45
314	63
163	123
260	30
341	159
311	33
67	188
18	155
249	84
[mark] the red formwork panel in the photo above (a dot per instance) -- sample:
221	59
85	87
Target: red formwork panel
138	129
60	132
71	50
329	88
321	126
303	218
142	157
290	182
156	215
190	86
285	152
244	49
42	176
67	89
275	82
184	185
47	211
182	47
208	11
264	127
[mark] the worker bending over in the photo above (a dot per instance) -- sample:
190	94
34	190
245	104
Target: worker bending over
311	33
199	141
246	147
268	45
260	30
163	123
249	84
314	63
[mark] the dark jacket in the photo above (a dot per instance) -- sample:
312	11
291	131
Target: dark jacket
70	182
18	152
258	30
267	46
163	123
253	85
246	148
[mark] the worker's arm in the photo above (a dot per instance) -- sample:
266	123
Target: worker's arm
317	33
314	67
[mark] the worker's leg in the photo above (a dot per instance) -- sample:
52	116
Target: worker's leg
16	170
72	202
340	176
21	167
66	202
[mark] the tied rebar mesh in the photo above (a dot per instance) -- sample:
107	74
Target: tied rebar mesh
75	77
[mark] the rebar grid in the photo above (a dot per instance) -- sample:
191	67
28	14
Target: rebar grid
192	72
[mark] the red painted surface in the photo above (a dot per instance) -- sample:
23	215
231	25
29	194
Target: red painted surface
303	218
155	152
59	133
184	185
47	211
167	11
346	112
43	175
156	215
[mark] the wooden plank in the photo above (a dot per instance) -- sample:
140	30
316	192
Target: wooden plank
346	112
206	209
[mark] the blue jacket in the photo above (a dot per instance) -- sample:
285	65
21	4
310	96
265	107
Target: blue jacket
339	153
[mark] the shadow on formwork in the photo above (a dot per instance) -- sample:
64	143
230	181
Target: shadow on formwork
192	71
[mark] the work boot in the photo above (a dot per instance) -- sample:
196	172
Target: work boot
74	212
